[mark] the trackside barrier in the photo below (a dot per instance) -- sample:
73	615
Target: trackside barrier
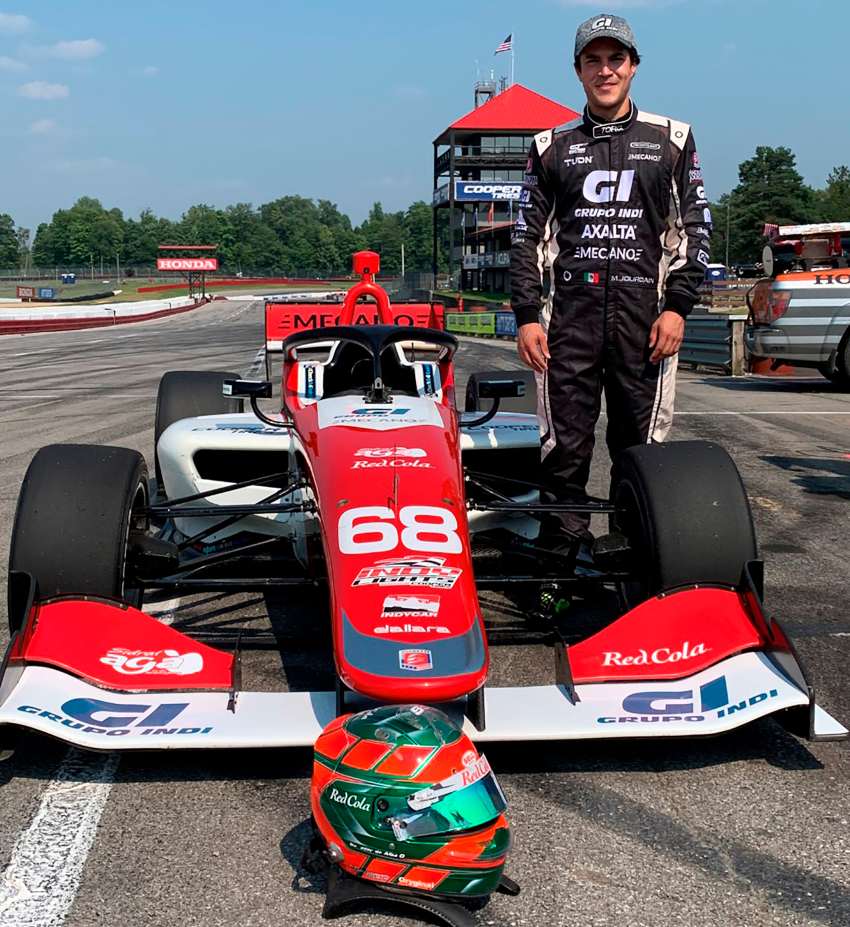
715	340
18	322
711	339
471	323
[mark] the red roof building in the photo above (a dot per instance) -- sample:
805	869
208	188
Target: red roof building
479	162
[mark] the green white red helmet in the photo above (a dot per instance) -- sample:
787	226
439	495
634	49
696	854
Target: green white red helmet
401	797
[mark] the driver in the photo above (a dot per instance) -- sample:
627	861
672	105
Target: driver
614	218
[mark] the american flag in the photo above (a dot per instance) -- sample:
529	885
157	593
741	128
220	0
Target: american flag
506	45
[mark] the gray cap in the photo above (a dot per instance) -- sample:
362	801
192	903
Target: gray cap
604	26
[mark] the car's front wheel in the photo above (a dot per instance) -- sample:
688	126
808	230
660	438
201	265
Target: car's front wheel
78	507
684	511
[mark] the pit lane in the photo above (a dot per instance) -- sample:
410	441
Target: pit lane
750	828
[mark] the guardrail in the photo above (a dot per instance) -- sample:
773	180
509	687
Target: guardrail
714	340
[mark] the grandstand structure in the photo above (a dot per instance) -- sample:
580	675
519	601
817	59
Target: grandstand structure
479	163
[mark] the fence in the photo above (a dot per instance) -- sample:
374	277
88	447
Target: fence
713	340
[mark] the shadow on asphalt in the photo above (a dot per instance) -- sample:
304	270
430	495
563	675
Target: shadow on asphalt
789	887
818	475
756	384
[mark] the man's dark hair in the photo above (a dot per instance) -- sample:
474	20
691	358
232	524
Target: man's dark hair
635	57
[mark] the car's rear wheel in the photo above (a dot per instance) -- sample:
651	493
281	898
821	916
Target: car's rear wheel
684	511
78	506
837	370
185	394
526	403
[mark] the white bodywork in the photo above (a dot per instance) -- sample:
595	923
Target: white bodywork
243	432
53	702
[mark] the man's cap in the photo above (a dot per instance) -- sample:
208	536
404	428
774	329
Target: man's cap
604	26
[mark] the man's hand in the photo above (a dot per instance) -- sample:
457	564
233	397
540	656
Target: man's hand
665	336
532	346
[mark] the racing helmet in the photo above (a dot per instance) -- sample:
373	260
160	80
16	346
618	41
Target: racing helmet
400	796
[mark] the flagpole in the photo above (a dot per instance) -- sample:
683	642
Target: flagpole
513	42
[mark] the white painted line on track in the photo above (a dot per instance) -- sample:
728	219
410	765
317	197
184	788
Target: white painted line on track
257	364
40	883
38	887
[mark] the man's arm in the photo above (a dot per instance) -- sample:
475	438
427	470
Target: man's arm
529	244
531	234
688	231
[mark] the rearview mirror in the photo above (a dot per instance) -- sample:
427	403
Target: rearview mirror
501	389
262	389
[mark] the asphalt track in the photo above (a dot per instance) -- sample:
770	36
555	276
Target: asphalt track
748	829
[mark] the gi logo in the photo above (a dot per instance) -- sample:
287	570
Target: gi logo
606	186
415	660
602	23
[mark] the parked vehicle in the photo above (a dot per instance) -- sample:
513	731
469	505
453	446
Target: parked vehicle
800	312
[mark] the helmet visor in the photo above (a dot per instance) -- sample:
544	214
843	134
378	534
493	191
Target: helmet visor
465	800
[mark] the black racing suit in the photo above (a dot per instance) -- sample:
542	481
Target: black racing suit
613	218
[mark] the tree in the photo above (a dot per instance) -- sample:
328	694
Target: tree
834	201
418	223
8	242
770	189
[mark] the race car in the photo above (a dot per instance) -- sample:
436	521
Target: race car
369	481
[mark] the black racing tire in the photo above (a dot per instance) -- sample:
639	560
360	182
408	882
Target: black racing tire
684	510
526	403
77	506
185	394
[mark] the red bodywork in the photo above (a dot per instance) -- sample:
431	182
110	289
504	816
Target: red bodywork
406	619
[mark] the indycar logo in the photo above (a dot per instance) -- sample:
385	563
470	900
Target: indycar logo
423	605
662	655
415	660
153	662
393	457
409	571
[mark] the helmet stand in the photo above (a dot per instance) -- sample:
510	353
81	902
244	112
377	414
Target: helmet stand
346	894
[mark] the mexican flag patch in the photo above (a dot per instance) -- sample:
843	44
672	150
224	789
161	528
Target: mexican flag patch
590	278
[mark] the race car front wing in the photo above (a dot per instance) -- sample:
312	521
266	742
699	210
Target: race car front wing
104	676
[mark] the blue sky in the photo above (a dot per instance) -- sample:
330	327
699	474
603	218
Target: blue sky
166	104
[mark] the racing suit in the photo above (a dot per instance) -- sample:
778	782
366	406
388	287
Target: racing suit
614	218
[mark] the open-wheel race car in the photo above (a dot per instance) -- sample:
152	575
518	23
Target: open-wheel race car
371	482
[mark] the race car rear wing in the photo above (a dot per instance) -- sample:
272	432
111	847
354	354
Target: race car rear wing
104	676
286	318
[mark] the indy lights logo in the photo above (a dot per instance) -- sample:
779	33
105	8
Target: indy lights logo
659	706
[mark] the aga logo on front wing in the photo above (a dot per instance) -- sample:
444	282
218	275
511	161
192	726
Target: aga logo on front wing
153	662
